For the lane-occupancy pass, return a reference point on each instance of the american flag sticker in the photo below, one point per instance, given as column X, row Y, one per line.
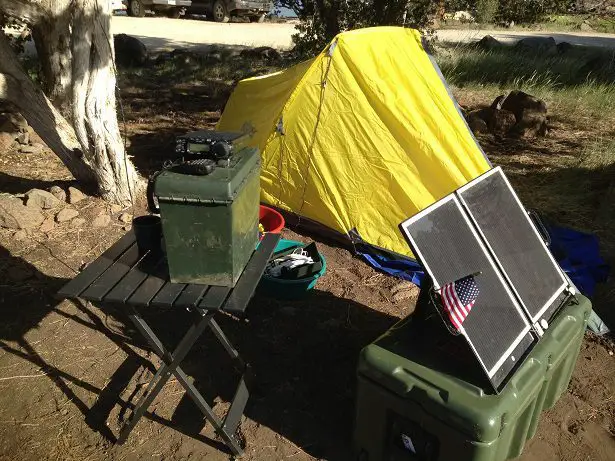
column 459, row 298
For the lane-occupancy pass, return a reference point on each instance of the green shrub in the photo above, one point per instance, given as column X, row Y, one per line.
column 486, row 10
column 321, row 20
column 530, row 11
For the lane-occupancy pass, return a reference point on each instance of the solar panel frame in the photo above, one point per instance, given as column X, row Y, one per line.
column 550, row 306
column 524, row 340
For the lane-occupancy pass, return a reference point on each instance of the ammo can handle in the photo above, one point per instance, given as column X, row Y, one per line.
column 151, row 202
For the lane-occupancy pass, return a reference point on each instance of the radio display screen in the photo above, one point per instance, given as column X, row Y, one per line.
column 196, row 148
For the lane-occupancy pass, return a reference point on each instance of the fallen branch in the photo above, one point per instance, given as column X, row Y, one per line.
column 23, row 376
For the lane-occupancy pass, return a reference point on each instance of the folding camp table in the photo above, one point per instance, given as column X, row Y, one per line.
column 123, row 277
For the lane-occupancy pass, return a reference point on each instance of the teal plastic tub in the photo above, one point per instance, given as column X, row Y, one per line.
column 290, row 289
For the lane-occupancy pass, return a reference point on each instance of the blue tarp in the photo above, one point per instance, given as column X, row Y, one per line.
column 578, row 254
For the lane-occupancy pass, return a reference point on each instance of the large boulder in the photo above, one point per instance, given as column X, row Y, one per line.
column 477, row 123
column 543, row 45
column 501, row 122
column 15, row 215
column 492, row 120
column 488, row 43
column 129, row 51
column 530, row 113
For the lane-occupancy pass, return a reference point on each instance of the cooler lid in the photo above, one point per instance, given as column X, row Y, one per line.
column 220, row 186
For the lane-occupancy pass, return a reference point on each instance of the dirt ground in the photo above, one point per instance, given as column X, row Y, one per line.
column 70, row 372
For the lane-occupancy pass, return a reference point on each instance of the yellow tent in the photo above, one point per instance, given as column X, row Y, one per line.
column 360, row 138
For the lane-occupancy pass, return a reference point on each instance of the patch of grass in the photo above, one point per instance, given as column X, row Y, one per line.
column 220, row 66
column 574, row 23
column 579, row 77
column 569, row 176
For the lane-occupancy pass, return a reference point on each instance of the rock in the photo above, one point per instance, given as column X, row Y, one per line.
column 586, row 27
column 102, row 220
column 463, row 16
column 129, row 51
column 75, row 195
column 20, row 235
column 488, row 43
column 77, row 222
column 6, row 141
column 19, row 273
column 23, row 138
column 530, row 113
column 261, row 52
column 126, row 218
column 98, row 210
column 47, row 226
column 115, row 208
column 477, row 121
column 12, row 122
column 497, row 102
column 15, row 215
column 543, row 45
column 66, row 215
column 478, row 125
column 502, row 121
column 564, row 47
column 41, row 199
column 58, row 193
column 33, row 149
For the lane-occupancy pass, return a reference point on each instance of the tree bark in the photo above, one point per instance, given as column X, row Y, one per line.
column 52, row 41
column 17, row 88
column 75, row 45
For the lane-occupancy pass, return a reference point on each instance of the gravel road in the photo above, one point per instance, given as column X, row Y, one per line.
column 160, row 34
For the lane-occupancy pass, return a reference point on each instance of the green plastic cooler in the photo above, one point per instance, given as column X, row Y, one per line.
column 422, row 397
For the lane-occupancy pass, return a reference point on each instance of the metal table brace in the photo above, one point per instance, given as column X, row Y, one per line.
column 226, row 428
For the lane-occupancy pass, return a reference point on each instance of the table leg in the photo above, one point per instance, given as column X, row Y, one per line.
column 164, row 373
column 226, row 428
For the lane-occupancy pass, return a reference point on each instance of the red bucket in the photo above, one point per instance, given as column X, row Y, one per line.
column 271, row 220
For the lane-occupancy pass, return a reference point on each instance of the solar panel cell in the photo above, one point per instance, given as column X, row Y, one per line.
column 449, row 247
column 516, row 245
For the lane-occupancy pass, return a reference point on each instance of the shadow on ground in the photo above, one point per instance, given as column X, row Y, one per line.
column 182, row 91
column 303, row 354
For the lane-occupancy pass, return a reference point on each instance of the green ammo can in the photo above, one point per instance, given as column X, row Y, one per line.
column 420, row 397
column 210, row 222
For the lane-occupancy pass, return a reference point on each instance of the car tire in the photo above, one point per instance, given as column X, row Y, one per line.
column 219, row 12
column 136, row 9
column 259, row 18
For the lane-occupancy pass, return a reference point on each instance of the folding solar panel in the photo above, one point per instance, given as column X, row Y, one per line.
column 446, row 242
column 516, row 245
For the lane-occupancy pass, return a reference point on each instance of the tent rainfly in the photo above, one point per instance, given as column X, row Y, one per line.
column 359, row 138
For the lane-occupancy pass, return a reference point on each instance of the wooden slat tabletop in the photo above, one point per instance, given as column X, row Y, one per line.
column 122, row 276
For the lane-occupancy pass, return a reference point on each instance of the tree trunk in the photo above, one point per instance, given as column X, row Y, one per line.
column 17, row 88
column 52, row 41
column 75, row 46
column 93, row 99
